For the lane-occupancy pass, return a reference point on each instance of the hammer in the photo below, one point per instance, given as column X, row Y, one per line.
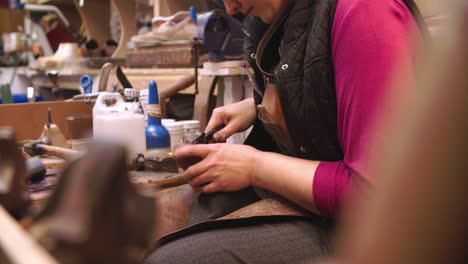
column 42, row 146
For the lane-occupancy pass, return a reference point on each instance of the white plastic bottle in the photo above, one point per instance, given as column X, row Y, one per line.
column 115, row 120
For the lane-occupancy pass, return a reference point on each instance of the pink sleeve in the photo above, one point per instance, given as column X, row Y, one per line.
column 371, row 40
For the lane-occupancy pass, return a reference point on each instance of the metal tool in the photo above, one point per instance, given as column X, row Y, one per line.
column 163, row 164
column 56, row 91
column 36, row 169
column 52, row 131
column 42, row 146
column 206, row 138
column 221, row 35
column 122, row 78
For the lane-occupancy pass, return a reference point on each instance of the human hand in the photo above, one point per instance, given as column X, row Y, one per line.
column 237, row 117
column 223, row 167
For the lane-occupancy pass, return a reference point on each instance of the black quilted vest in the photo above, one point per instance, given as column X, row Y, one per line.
column 306, row 78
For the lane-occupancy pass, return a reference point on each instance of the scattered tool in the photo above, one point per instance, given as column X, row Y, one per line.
column 148, row 183
column 122, row 78
column 51, row 142
column 53, row 133
column 163, row 164
column 42, row 146
column 36, row 169
column 56, row 91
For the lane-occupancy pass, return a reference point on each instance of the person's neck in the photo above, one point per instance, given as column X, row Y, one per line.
column 277, row 7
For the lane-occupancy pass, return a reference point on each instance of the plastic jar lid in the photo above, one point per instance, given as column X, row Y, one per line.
column 166, row 121
column 189, row 124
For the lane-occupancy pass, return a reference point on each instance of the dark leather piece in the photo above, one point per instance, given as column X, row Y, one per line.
column 208, row 206
column 174, row 209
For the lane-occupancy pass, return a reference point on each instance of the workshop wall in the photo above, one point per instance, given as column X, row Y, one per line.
column 29, row 119
column 10, row 20
column 431, row 7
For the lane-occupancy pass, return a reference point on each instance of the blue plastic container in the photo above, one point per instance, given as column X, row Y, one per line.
column 22, row 98
column 157, row 136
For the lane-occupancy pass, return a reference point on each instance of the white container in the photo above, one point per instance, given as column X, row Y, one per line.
column 166, row 121
column 115, row 120
column 67, row 50
column 191, row 130
column 143, row 98
column 157, row 152
column 176, row 130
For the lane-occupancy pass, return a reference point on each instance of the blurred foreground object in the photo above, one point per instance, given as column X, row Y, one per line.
column 95, row 215
column 417, row 212
column 15, row 242
column 13, row 192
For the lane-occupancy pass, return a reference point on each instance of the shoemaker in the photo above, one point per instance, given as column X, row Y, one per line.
column 322, row 70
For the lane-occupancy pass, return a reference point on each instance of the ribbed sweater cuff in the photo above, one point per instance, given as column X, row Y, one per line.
column 330, row 185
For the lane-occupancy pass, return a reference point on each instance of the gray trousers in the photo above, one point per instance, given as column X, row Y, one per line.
column 261, row 240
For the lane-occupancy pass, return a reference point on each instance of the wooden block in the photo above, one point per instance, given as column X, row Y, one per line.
column 169, row 7
column 127, row 11
column 96, row 17
column 175, row 55
column 430, row 8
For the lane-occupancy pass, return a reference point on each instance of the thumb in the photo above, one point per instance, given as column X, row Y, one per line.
column 215, row 121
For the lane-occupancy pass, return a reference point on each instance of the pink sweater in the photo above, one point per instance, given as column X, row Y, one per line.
column 371, row 40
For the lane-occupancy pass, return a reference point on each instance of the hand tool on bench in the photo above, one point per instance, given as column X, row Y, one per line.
column 51, row 142
column 122, row 78
column 53, row 133
column 42, row 146
column 56, row 91
column 36, row 169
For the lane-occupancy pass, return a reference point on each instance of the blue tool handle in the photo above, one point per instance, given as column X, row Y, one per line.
column 193, row 13
column 86, row 81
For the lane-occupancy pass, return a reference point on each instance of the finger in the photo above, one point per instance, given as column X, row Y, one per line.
column 189, row 150
column 210, row 188
column 216, row 120
column 196, row 170
column 224, row 133
column 200, row 180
